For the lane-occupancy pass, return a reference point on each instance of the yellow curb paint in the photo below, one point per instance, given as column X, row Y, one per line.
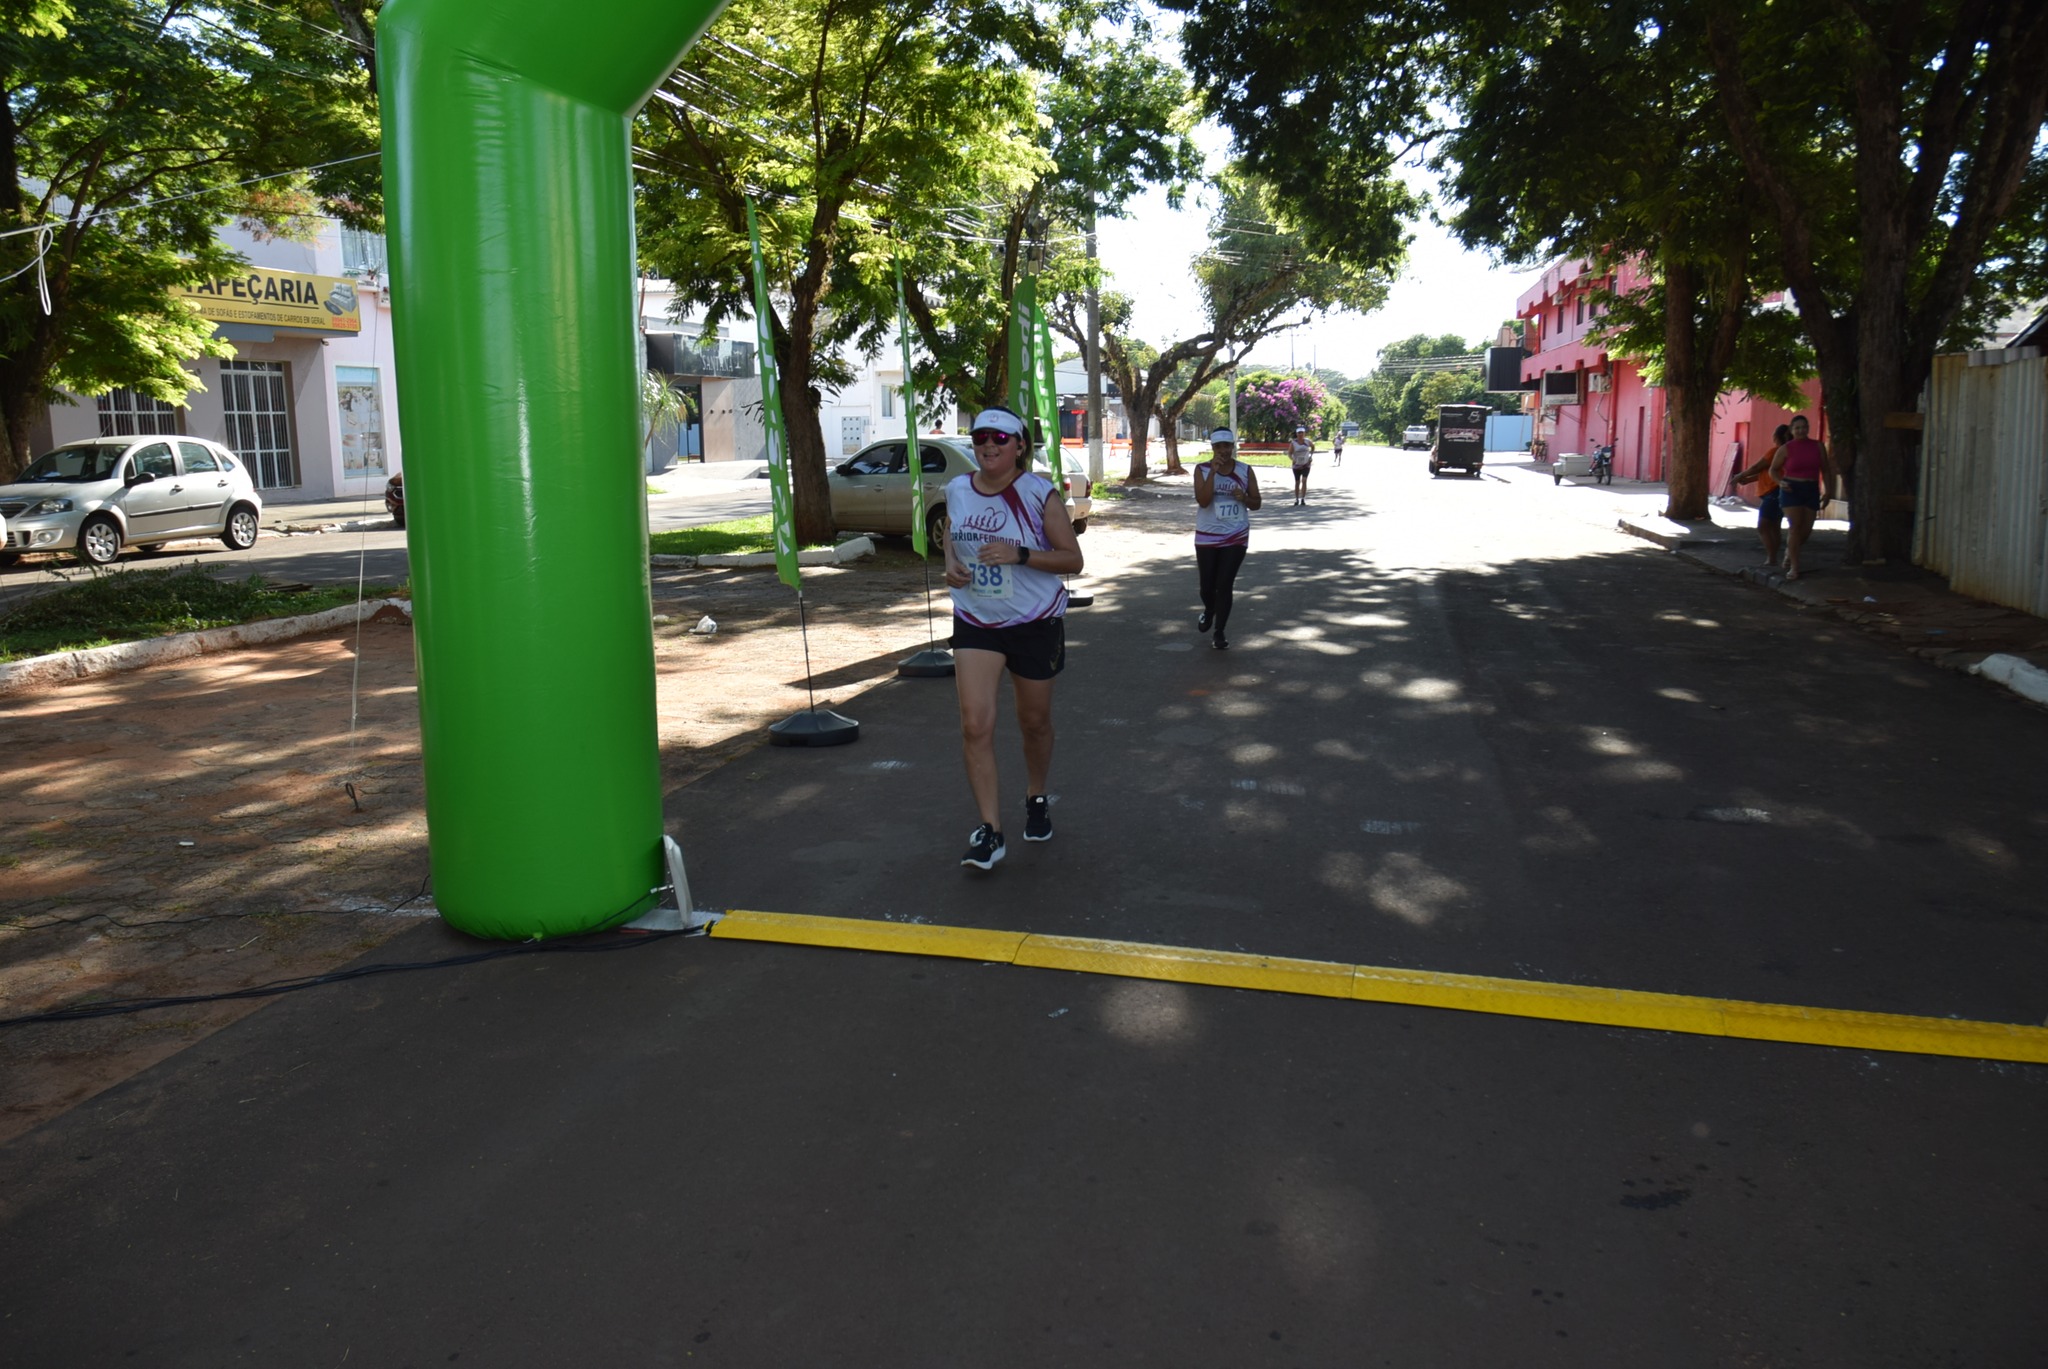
column 858, row 934
column 1636, row 1008
column 1226, row 969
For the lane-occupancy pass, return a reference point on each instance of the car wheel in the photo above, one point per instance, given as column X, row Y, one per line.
column 10, row 558
column 240, row 532
column 1080, row 525
column 398, row 521
column 99, row 540
column 935, row 528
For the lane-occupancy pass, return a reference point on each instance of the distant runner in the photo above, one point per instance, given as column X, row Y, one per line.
column 1226, row 490
column 1301, row 453
column 1008, row 542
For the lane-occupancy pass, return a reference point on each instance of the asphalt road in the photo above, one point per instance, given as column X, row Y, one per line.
column 1465, row 727
column 376, row 552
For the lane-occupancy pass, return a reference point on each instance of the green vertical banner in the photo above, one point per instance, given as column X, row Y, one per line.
column 1023, row 307
column 1046, row 378
column 916, row 462
column 771, row 419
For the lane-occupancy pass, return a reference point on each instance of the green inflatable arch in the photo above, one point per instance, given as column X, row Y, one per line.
column 509, row 193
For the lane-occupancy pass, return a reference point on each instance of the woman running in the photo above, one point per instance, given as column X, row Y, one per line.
column 1008, row 542
column 1226, row 492
column 1301, row 454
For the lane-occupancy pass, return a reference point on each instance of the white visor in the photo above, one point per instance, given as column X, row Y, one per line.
column 1223, row 435
column 1002, row 420
column 1301, row 430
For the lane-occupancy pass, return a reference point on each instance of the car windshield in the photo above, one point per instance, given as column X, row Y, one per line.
column 80, row 464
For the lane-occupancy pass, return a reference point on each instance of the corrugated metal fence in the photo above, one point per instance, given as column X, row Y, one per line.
column 1983, row 507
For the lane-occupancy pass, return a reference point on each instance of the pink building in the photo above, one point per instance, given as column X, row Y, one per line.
column 1586, row 397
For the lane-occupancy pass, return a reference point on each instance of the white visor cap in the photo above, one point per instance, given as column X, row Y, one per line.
column 1223, row 435
column 1002, row 420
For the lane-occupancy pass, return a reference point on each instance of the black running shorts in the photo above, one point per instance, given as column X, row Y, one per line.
column 1032, row 651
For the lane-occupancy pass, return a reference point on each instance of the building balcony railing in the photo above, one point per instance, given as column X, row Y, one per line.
column 676, row 354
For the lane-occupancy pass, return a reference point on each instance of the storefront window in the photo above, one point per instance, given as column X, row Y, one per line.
column 124, row 413
column 362, row 422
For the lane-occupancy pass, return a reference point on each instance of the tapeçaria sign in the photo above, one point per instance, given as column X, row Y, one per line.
column 282, row 299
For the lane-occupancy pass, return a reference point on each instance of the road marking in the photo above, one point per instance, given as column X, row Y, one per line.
column 1419, row 988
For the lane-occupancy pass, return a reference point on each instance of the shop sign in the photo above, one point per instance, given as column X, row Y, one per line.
column 281, row 299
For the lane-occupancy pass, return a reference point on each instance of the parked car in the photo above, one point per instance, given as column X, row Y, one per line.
column 1415, row 436
column 394, row 499
column 103, row 494
column 871, row 489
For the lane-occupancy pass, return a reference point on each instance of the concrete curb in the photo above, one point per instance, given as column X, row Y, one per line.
column 851, row 550
column 1672, row 535
column 106, row 660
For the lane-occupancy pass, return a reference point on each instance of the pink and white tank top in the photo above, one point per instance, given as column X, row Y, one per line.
column 1226, row 522
column 1005, row 595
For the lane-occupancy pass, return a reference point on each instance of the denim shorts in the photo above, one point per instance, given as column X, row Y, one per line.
column 1799, row 494
column 1770, row 513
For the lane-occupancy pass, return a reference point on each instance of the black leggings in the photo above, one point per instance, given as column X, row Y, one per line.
column 1218, row 567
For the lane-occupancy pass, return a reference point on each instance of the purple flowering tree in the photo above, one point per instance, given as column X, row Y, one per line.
column 1270, row 408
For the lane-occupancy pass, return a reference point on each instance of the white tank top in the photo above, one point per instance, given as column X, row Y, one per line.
column 1005, row 595
column 1226, row 522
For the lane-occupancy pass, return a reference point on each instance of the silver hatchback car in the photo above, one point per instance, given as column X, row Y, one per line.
column 106, row 493
column 871, row 491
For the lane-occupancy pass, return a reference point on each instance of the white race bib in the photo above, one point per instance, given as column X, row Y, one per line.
column 990, row 582
column 1229, row 511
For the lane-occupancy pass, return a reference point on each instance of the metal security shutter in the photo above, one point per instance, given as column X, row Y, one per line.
column 257, row 405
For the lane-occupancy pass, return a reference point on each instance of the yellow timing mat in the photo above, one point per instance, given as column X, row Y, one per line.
column 1423, row 988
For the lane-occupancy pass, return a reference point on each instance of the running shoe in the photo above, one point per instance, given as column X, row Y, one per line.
column 1220, row 642
column 1038, row 818
column 1202, row 623
column 984, row 848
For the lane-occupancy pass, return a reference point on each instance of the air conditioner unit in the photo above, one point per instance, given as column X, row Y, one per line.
column 1598, row 382
column 1561, row 387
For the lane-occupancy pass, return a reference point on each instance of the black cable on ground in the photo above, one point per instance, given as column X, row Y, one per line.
column 119, row 1006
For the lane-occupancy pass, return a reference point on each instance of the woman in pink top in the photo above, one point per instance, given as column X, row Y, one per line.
column 1802, row 468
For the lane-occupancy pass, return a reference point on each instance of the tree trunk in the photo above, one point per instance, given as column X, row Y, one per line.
column 810, row 496
column 1139, row 415
column 1169, row 436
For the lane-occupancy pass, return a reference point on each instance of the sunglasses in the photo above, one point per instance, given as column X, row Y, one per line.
column 1001, row 439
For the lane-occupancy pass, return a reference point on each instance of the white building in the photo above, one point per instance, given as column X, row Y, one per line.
column 309, row 399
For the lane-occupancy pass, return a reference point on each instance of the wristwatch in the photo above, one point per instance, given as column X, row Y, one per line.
column 1023, row 556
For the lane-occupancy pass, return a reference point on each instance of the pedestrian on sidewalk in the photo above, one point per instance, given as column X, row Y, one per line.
column 1770, row 514
column 1008, row 541
column 1806, row 479
column 1301, row 454
column 1226, row 491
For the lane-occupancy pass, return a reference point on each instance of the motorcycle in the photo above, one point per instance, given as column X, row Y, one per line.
column 1602, row 469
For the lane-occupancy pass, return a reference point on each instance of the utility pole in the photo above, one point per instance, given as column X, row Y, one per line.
column 1233, row 399
column 1093, row 420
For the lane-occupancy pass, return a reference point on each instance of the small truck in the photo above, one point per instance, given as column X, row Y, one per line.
column 1460, row 438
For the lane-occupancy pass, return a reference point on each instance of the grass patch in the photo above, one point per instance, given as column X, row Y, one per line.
column 135, row 605
column 1102, row 489
column 1268, row 458
column 735, row 538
